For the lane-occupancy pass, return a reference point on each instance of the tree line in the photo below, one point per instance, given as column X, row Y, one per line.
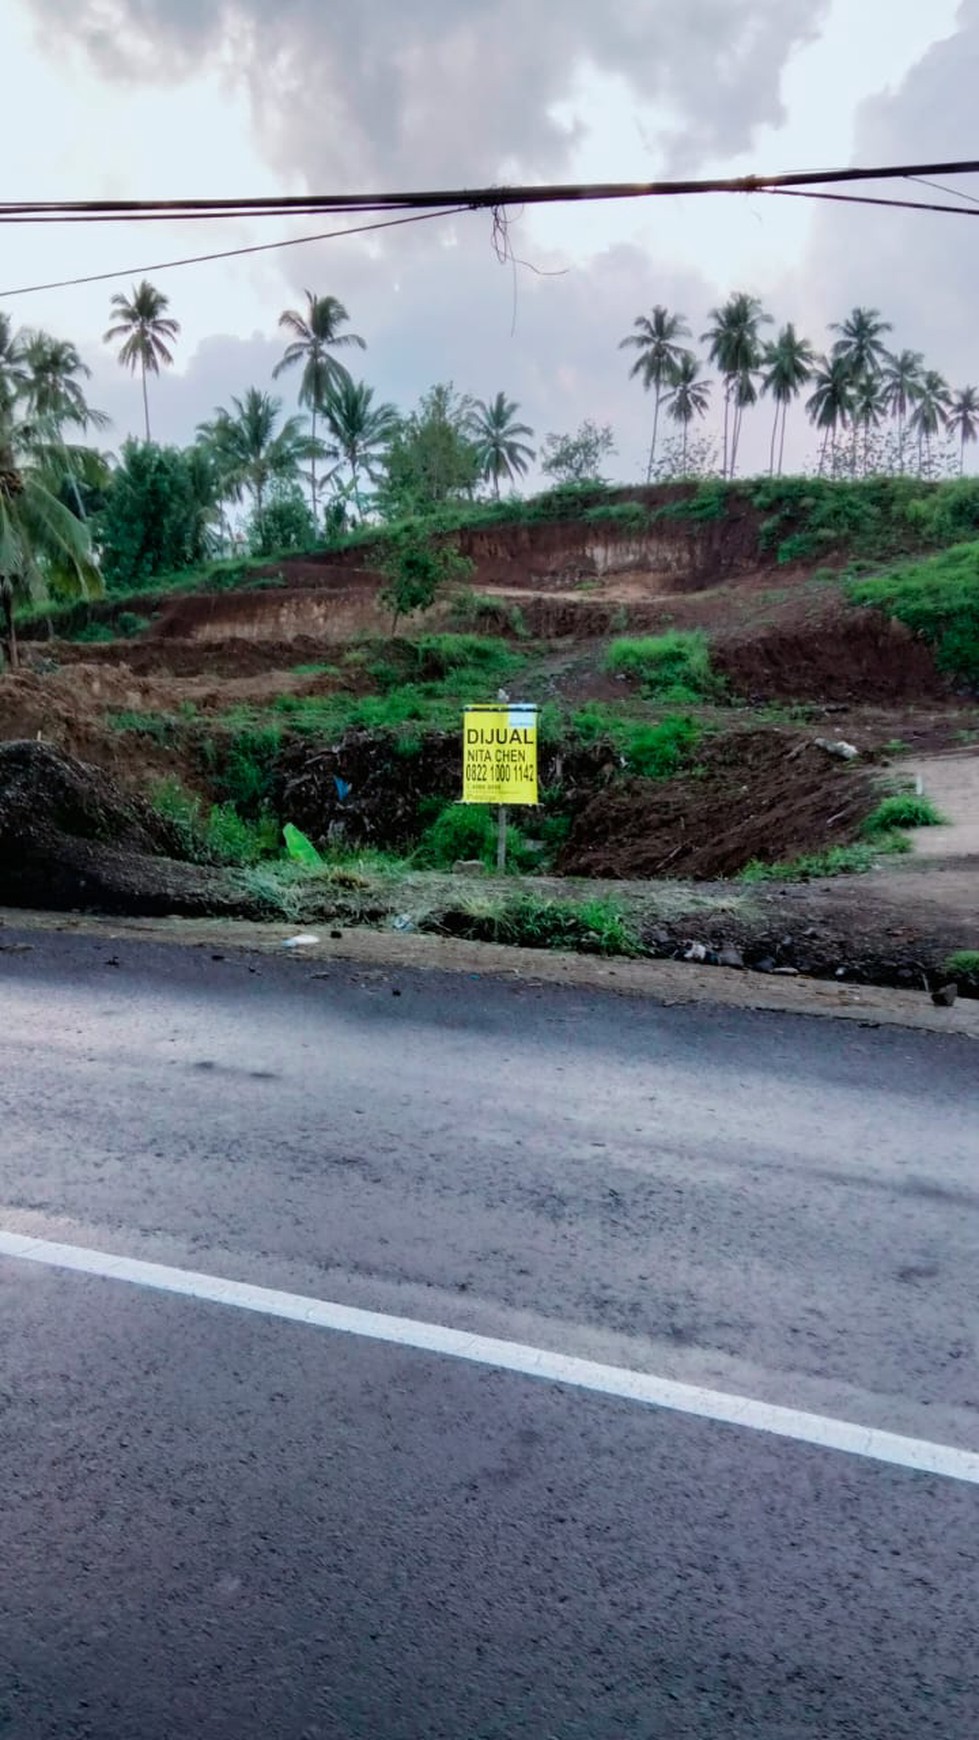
column 71, row 515
column 854, row 388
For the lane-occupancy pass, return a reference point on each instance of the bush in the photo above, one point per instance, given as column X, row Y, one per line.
column 669, row 667
column 903, row 810
column 653, row 751
column 470, row 831
column 937, row 598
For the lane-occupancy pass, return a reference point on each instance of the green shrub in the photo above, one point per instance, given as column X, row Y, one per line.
column 660, row 751
column 964, row 964
column 94, row 633
column 937, row 598
column 244, row 768
column 470, row 831
column 629, row 515
column 903, row 810
column 128, row 625
column 669, row 667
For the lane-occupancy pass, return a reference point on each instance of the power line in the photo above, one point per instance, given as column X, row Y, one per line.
column 230, row 253
column 869, row 199
column 470, row 199
column 417, row 206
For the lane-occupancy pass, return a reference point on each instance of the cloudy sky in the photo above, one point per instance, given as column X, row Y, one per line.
column 171, row 98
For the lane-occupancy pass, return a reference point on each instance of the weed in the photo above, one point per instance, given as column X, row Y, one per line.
column 128, row 625
column 628, row 514
column 595, row 927
column 903, row 810
column 95, row 632
column 669, row 667
column 654, row 751
column 161, row 728
column 469, row 831
column 853, row 860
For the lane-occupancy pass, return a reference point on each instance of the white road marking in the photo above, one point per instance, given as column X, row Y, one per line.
column 511, row 1356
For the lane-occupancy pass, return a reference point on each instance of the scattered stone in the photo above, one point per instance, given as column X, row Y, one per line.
column 469, row 867
column 765, row 965
column 945, row 997
column 395, row 991
column 15, row 948
column 837, row 748
column 217, row 957
column 694, row 951
column 336, row 935
column 305, row 940
column 113, row 961
column 785, row 972
column 730, row 957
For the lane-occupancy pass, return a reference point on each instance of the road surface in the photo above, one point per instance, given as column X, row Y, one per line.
column 219, row 1520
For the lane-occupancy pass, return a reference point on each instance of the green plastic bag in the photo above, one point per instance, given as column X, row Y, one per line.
column 298, row 847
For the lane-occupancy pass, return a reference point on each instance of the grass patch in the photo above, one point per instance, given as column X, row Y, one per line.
column 668, row 667
column 964, row 964
column 903, row 810
column 597, row 927
column 653, row 751
column 469, row 831
column 854, row 860
column 216, row 832
column 937, row 598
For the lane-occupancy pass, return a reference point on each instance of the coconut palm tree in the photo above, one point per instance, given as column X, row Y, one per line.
column 963, row 419
column 655, row 340
column 44, row 548
column 930, row 412
column 495, row 433
column 861, row 341
column 901, row 375
column 146, row 329
column 315, row 334
column 252, row 451
column 787, row 363
column 735, row 349
column 358, row 429
column 869, row 411
column 688, row 397
column 13, row 375
column 53, row 395
column 830, row 406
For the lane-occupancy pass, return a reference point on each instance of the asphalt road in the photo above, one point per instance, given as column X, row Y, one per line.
column 218, row 1523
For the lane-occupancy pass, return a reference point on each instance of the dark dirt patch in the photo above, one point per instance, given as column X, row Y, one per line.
column 235, row 657
column 860, row 656
column 70, row 838
column 767, row 794
column 391, row 782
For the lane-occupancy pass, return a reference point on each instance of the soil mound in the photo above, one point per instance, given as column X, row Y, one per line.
column 70, row 838
column 766, row 795
column 859, row 657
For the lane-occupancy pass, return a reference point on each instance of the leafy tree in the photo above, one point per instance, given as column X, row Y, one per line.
column 861, row 341
column 252, row 452
column 831, row 405
column 44, row 549
column 901, row 376
column 734, row 338
column 787, row 365
column 358, row 431
column 161, row 507
column 655, row 339
column 431, row 458
column 930, row 412
column 496, row 433
column 415, row 568
column 146, row 329
column 577, row 458
column 315, row 335
column 286, row 522
column 963, row 419
column 688, row 397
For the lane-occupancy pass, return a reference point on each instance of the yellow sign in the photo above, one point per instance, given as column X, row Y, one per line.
column 499, row 755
